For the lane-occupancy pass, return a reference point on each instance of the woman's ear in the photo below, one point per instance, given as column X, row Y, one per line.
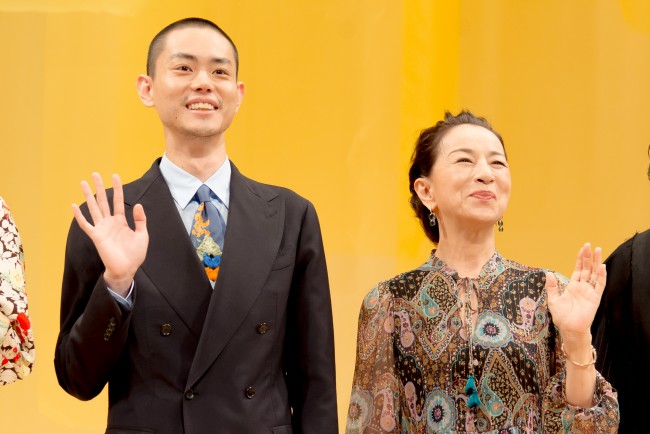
column 424, row 190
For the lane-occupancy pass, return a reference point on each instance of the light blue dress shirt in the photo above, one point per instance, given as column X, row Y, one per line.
column 183, row 187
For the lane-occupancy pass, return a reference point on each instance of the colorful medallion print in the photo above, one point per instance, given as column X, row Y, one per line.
column 413, row 372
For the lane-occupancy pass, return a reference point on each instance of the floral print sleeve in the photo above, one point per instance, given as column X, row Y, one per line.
column 374, row 404
column 16, row 340
column 560, row 416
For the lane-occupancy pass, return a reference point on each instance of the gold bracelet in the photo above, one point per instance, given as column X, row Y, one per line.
column 582, row 365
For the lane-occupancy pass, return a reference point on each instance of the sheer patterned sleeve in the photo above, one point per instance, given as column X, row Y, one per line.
column 16, row 340
column 560, row 416
column 374, row 404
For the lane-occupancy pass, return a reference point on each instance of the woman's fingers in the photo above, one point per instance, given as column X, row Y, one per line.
column 551, row 284
column 601, row 279
column 590, row 269
column 598, row 253
column 587, row 263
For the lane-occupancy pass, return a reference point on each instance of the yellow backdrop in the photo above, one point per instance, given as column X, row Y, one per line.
column 337, row 91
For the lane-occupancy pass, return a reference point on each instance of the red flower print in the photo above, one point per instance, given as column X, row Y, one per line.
column 23, row 320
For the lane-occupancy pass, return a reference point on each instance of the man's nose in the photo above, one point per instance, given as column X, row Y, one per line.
column 202, row 82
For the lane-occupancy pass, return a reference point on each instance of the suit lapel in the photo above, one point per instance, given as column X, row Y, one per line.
column 253, row 235
column 171, row 263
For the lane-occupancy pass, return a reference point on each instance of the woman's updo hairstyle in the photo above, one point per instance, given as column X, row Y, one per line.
column 425, row 155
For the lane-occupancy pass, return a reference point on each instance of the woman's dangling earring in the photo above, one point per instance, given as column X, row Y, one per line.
column 432, row 219
column 500, row 225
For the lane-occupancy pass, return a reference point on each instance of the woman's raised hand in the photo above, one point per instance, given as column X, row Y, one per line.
column 574, row 308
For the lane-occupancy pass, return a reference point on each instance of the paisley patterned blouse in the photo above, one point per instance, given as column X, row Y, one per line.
column 413, row 357
column 16, row 340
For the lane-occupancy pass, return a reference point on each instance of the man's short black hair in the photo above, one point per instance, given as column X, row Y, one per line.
column 158, row 42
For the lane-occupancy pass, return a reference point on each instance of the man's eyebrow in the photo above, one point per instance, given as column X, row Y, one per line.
column 182, row 56
column 221, row 60
column 193, row 58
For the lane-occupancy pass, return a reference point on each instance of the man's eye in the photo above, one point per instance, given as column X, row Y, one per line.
column 184, row 68
column 220, row 72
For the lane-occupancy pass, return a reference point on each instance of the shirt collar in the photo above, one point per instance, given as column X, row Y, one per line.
column 183, row 185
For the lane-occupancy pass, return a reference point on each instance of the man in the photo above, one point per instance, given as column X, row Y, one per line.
column 186, row 343
column 621, row 329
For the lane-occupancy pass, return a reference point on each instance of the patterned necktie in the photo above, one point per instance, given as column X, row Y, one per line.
column 207, row 233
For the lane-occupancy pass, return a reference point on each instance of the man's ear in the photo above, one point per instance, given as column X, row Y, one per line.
column 424, row 189
column 241, row 90
column 145, row 89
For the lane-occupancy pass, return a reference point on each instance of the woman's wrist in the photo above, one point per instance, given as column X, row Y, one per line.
column 578, row 349
column 581, row 360
column 576, row 341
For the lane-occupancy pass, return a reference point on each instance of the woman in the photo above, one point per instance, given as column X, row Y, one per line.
column 16, row 341
column 471, row 341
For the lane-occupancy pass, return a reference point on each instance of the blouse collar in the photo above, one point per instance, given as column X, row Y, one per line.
column 492, row 267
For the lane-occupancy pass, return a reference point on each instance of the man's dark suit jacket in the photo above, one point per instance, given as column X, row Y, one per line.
column 621, row 330
column 256, row 355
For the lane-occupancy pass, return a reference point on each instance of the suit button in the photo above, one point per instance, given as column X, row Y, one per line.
column 249, row 392
column 262, row 328
column 189, row 394
column 166, row 329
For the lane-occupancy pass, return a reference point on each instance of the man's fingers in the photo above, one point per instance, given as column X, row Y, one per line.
column 81, row 219
column 139, row 218
column 94, row 210
column 100, row 192
column 98, row 205
column 118, row 196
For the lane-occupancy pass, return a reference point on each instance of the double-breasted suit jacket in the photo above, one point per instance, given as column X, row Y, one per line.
column 254, row 355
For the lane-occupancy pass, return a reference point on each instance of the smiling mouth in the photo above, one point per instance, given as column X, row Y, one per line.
column 201, row 106
column 484, row 196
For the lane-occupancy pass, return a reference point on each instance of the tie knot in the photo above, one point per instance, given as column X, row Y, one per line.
column 203, row 193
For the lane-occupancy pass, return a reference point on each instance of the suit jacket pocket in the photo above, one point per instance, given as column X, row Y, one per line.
column 284, row 429
column 285, row 258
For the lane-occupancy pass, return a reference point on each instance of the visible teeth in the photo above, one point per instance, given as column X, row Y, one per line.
column 201, row 106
